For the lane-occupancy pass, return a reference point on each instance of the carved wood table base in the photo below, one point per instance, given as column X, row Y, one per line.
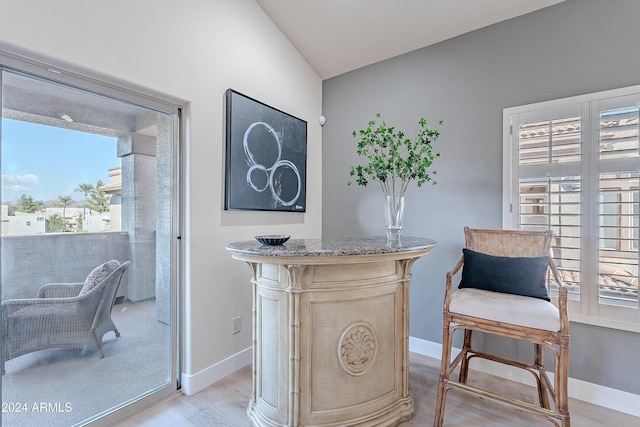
column 331, row 331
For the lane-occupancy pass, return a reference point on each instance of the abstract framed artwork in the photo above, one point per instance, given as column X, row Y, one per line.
column 266, row 157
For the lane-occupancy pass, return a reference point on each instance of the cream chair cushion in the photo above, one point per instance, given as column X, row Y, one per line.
column 98, row 274
column 506, row 308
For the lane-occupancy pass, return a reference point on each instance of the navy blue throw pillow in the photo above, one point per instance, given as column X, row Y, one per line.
column 519, row 276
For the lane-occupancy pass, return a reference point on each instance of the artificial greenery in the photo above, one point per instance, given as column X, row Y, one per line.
column 394, row 160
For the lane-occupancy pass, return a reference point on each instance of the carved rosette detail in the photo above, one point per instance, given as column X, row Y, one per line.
column 357, row 349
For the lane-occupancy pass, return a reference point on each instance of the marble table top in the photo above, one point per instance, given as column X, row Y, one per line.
column 333, row 247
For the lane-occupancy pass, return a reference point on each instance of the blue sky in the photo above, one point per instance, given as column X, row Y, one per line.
column 45, row 162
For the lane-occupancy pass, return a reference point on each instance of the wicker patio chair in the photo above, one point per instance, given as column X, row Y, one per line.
column 503, row 292
column 64, row 315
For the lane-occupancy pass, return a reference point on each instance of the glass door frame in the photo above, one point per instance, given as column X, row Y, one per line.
column 27, row 64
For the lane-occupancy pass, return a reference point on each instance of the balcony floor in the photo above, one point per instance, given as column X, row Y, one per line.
column 61, row 387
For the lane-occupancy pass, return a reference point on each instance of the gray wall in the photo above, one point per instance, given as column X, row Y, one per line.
column 28, row 262
column 576, row 47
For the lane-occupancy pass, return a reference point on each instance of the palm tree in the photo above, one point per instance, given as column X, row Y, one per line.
column 86, row 190
column 99, row 200
column 64, row 201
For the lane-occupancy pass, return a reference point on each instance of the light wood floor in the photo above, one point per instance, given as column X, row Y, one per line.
column 224, row 405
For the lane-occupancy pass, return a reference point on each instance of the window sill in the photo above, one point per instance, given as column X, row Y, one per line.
column 605, row 323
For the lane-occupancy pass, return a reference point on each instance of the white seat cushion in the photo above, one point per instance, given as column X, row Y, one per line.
column 506, row 308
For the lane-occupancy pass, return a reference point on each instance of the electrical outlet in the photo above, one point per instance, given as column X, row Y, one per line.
column 236, row 325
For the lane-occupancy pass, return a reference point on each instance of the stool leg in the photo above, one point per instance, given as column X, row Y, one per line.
column 540, row 363
column 464, row 366
column 445, row 371
column 561, row 385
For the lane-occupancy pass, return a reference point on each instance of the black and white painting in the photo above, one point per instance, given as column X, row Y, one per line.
column 266, row 157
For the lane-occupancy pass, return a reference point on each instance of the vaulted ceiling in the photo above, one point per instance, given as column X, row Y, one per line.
column 337, row 36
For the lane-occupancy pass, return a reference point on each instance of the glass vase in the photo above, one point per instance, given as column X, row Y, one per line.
column 394, row 214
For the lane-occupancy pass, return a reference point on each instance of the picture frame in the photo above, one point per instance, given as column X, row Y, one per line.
column 266, row 157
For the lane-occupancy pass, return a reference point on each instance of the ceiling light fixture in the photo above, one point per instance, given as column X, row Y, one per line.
column 66, row 117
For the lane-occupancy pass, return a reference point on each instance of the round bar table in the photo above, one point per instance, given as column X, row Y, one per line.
column 331, row 330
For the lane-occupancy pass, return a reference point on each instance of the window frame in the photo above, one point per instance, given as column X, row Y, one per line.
column 586, row 307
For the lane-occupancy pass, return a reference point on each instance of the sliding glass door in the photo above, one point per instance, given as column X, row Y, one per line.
column 88, row 252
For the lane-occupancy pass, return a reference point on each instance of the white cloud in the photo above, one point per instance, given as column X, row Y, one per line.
column 14, row 187
column 13, row 184
column 11, row 179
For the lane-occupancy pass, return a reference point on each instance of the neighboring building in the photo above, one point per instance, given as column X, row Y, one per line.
column 26, row 223
column 71, row 215
column 4, row 219
column 96, row 223
column 23, row 223
column 114, row 188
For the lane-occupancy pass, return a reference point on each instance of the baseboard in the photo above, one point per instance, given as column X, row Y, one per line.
column 192, row 384
column 607, row 397
column 611, row 398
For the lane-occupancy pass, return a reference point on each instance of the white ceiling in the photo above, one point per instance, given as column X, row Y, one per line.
column 336, row 36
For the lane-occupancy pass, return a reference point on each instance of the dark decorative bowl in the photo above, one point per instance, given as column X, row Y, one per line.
column 272, row 239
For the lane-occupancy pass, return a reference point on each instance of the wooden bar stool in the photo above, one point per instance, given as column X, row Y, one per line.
column 504, row 291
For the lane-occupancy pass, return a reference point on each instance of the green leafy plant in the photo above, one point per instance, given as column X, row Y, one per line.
column 394, row 160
